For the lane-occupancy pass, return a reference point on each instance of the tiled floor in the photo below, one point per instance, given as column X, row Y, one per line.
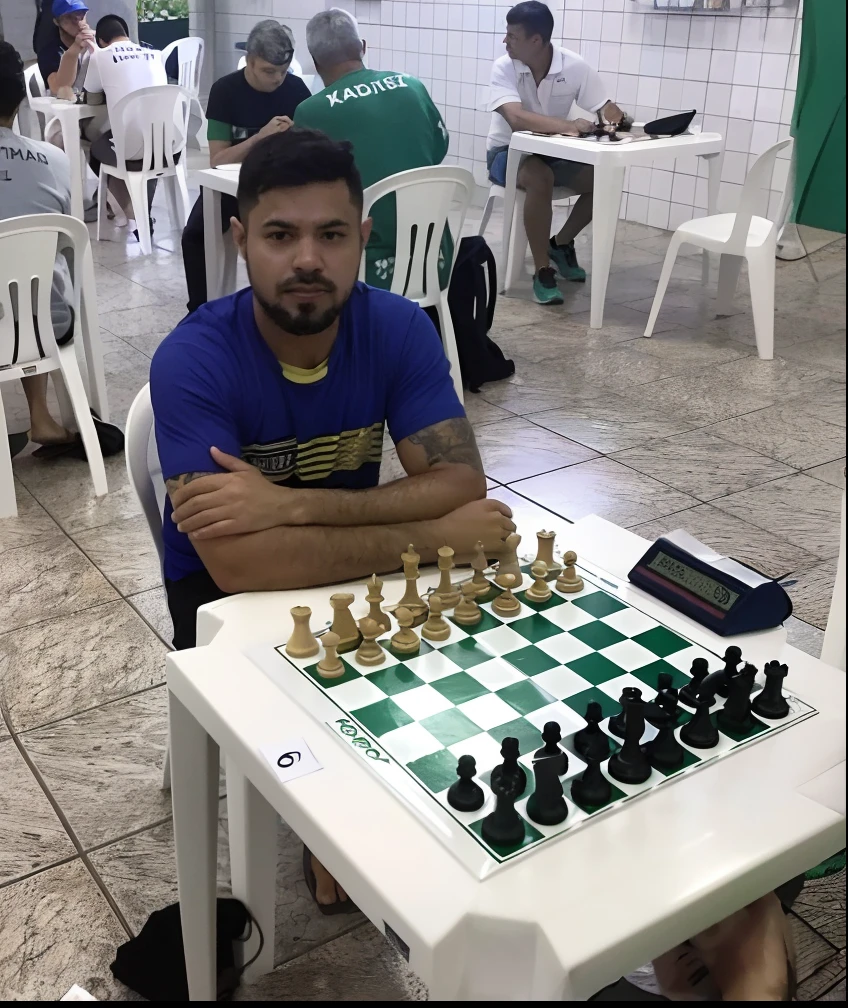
column 687, row 429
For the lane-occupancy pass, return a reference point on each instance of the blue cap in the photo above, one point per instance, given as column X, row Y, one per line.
column 61, row 7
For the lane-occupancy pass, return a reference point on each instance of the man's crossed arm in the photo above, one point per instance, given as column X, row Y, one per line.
column 253, row 535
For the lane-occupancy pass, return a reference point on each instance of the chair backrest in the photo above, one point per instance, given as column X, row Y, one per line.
column 151, row 111
column 189, row 60
column 34, row 82
column 28, row 249
column 28, row 122
column 752, row 198
column 143, row 466
column 424, row 199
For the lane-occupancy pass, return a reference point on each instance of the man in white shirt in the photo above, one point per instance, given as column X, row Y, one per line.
column 533, row 87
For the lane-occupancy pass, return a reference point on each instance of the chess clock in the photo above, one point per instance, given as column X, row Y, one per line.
column 722, row 594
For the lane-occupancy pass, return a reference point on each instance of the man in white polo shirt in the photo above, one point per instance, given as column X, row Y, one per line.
column 534, row 87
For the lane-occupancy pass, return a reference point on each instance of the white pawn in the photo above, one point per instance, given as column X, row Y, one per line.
column 506, row 604
column 330, row 666
column 467, row 612
column 369, row 651
column 436, row 627
column 569, row 581
column 540, row 590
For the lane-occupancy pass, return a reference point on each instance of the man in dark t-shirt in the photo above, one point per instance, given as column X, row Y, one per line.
column 243, row 108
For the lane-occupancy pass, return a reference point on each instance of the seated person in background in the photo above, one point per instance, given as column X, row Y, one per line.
column 60, row 56
column 533, row 87
column 116, row 68
column 35, row 178
column 244, row 107
column 388, row 117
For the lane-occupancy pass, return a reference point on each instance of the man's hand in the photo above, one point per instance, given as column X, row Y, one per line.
column 84, row 41
column 612, row 113
column 279, row 124
column 232, row 503
column 487, row 521
column 578, row 126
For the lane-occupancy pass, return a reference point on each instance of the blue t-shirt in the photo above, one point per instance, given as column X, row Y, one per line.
column 215, row 381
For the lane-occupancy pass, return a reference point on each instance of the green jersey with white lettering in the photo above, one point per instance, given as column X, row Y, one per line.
column 393, row 125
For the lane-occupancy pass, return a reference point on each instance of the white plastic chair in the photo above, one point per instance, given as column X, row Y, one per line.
column 425, row 197
column 833, row 646
column 190, row 63
column 28, row 248
column 29, row 122
column 154, row 111
column 737, row 235
column 514, row 261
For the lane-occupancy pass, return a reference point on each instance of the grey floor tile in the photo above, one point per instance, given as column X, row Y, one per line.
column 129, row 324
column 152, row 605
column 811, row 950
column 837, row 992
column 826, row 352
column 33, row 836
column 826, row 402
column 47, row 579
column 687, row 347
column 783, row 433
column 609, row 422
column 604, row 487
column 821, row 904
column 827, row 980
column 831, row 472
column 104, row 767
column 480, row 411
column 358, row 966
column 522, row 397
column 510, row 312
column 31, row 523
column 798, row 508
column 67, row 664
column 792, row 325
column 514, row 449
column 531, row 517
column 703, row 465
column 733, row 537
column 811, row 591
column 127, row 370
column 803, row 636
column 124, row 551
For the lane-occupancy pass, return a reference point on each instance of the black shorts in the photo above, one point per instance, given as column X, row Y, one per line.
column 184, row 599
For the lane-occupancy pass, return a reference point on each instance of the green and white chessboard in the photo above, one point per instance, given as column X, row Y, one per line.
column 415, row 715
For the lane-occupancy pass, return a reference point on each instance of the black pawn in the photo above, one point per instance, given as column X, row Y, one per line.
column 664, row 751
column 749, row 675
column 732, row 660
column 466, row 795
column 504, row 827
column 770, row 701
column 551, row 735
column 592, row 789
column 665, row 681
column 735, row 715
column 510, row 766
column 699, row 670
column 546, row 805
column 616, row 722
column 630, row 764
column 590, row 742
column 700, row 732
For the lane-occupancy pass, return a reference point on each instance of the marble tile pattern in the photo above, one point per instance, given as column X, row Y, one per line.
column 643, row 432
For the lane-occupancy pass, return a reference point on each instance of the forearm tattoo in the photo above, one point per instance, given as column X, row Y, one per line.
column 449, row 441
column 175, row 482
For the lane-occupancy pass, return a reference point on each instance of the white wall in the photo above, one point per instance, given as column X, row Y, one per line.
column 738, row 71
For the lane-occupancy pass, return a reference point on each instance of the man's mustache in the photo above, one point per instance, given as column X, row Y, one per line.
column 306, row 280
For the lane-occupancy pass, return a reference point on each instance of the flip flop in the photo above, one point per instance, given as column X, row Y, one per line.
column 328, row 909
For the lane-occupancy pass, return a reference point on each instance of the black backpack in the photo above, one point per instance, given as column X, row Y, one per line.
column 472, row 295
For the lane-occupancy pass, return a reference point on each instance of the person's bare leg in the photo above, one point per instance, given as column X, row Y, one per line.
column 537, row 181
column 43, row 428
column 327, row 890
column 581, row 212
column 118, row 188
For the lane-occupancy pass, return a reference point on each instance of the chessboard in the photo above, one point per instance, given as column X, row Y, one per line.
column 414, row 715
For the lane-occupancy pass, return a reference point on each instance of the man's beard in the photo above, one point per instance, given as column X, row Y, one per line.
column 306, row 322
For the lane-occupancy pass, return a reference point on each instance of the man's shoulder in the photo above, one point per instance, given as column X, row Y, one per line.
column 207, row 336
column 506, row 65
column 571, row 58
column 309, row 106
column 226, row 84
column 388, row 315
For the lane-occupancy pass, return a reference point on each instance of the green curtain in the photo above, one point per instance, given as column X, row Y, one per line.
column 819, row 119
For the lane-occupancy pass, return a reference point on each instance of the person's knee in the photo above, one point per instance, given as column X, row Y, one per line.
column 535, row 177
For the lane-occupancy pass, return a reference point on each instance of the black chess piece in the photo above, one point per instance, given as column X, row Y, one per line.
column 630, row 764
column 504, row 827
column 510, row 766
column 546, row 805
column 592, row 788
column 770, row 701
column 616, row 722
column 732, row 660
column 653, row 709
column 591, row 742
column 700, row 732
column 665, row 680
column 699, row 671
column 735, row 715
column 664, row 751
column 465, row 794
column 749, row 675
column 715, row 684
column 551, row 736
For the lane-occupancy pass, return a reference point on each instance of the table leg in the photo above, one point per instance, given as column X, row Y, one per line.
column 213, row 243
column 253, row 863
column 71, row 141
column 714, row 164
column 606, row 201
column 194, row 789
column 513, row 160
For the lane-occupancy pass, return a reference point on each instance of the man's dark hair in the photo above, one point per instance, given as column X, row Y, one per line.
column 12, row 88
column 296, row 158
column 110, row 27
column 534, row 17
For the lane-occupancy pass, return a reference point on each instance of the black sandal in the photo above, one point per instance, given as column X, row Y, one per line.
column 328, row 909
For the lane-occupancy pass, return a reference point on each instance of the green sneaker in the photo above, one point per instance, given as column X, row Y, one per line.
column 545, row 290
column 565, row 259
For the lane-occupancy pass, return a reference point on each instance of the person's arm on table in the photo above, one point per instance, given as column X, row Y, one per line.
column 66, row 72
column 223, row 152
column 520, row 119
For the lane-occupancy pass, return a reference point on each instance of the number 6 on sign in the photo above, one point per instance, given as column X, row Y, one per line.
column 291, row 758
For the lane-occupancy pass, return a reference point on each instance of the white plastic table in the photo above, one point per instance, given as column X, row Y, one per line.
column 69, row 115
column 558, row 923
column 609, row 162
column 219, row 251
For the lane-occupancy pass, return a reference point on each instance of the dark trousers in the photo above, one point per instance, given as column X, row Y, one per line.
column 102, row 152
column 194, row 260
column 184, row 599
